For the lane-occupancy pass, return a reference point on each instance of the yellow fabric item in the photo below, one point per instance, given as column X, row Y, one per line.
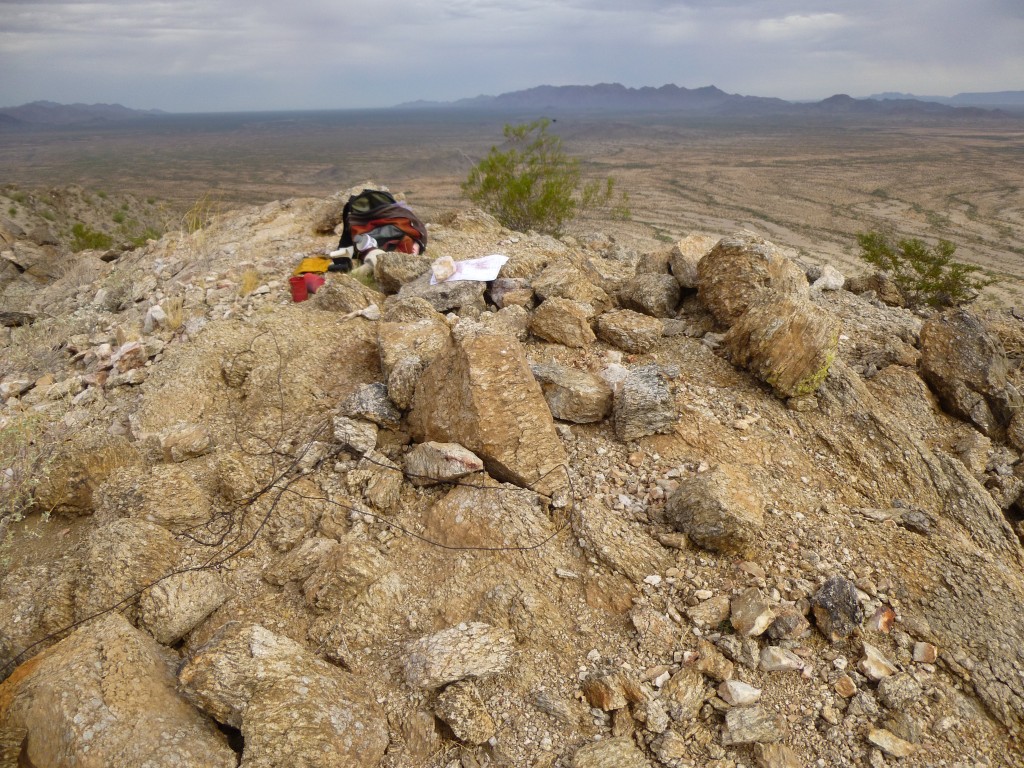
column 317, row 264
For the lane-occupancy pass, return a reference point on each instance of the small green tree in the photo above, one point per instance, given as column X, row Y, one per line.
column 925, row 274
column 534, row 184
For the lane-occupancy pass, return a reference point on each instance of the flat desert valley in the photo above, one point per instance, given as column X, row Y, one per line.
column 810, row 184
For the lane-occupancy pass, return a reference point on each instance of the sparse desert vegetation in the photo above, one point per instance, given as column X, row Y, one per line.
column 811, row 184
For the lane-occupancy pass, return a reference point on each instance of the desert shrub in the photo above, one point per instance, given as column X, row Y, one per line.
column 84, row 238
column 925, row 274
column 534, row 184
column 145, row 236
column 26, row 456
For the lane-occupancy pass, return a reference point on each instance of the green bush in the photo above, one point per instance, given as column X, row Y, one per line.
column 86, row 238
column 534, row 184
column 926, row 275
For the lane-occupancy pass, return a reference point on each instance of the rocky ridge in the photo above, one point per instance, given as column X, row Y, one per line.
column 751, row 519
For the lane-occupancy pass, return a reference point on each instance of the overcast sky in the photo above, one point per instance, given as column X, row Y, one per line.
column 227, row 55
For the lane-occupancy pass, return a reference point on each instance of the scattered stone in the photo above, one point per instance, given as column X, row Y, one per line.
column 563, row 321
column 751, row 725
column 670, row 748
column 392, row 269
column 738, row 694
column 836, row 610
column 344, row 572
column 717, row 510
column 562, row 280
column 830, row 279
column 461, row 708
column 291, row 707
column 630, row 331
column 431, row 463
column 462, row 296
column 370, row 402
column 356, row 435
column 882, row 620
column 789, row 624
column 644, row 405
column 710, row 613
column 618, row 752
column 609, row 691
column 874, row 665
column 574, row 395
column 890, row 743
column 120, row 559
column 899, row 691
column 467, row 650
column 845, row 686
column 776, row 756
column 776, row 659
column 751, row 613
column 185, row 441
column 683, row 694
column 712, row 663
column 925, row 653
column 487, row 514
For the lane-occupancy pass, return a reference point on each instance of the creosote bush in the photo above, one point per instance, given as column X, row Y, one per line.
column 926, row 275
column 534, row 184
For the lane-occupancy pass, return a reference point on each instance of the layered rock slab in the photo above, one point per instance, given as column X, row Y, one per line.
column 482, row 394
column 105, row 696
column 291, row 707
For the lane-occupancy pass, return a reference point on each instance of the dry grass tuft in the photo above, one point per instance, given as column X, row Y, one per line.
column 251, row 280
column 174, row 308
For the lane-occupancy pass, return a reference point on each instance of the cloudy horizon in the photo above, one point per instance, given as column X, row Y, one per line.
column 226, row 55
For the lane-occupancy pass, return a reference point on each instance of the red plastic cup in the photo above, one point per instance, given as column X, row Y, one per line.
column 313, row 281
column 298, row 285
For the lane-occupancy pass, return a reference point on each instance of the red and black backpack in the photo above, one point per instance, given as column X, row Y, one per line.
column 390, row 223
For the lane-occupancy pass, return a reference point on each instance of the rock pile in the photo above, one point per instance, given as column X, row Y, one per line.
column 554, row 520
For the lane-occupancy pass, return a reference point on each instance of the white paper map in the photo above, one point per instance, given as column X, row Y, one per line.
column 484, row 269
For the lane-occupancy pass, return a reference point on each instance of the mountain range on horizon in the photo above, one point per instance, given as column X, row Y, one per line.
column 603, row 97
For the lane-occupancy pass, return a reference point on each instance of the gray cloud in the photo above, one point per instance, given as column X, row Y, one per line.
column 229, row 54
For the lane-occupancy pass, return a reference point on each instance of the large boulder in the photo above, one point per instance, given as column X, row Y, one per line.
column 742, row 270
column 393, row 270
column 653, row 294
column 686, row 255
column 644, row 405
column 967, row 367
column 630, row 331
column 562, row 280
column 105, row 696
column 787, row 342
column 291, row 707
column 482, row 394
column 120, row 560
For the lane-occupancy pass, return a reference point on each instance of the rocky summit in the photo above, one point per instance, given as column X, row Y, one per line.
column 625, row 505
